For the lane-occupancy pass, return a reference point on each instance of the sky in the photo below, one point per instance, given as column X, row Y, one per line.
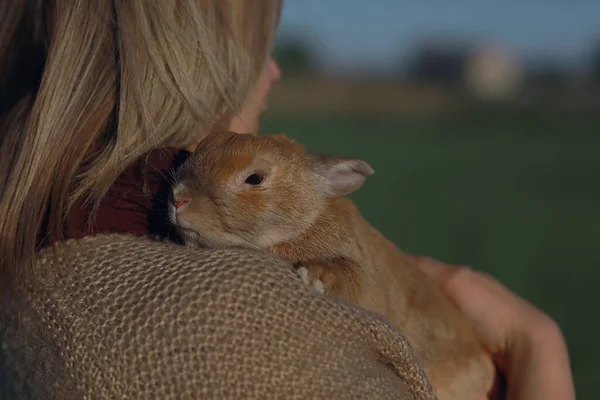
column 377, row 33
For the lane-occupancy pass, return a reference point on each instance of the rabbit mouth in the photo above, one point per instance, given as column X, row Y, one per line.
column 172, row 212
column 190, row 235
column 193, row 238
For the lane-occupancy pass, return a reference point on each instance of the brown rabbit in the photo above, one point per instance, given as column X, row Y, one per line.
column 269, row 193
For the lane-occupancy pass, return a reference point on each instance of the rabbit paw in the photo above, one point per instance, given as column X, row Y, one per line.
column 318, row 275
column 317, row 284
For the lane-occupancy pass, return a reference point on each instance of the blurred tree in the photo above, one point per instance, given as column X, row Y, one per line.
column 595, row 63
column 296, row 56
column 549, row 76
column 442, row 66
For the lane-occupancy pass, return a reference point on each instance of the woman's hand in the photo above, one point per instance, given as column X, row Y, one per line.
column 526, row 344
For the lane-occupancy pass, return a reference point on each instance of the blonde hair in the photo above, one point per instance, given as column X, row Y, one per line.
column 101, row 82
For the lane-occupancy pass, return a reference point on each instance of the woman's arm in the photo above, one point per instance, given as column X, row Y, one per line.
column 527, row 345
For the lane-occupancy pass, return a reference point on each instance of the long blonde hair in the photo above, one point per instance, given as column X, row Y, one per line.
column 89, row 86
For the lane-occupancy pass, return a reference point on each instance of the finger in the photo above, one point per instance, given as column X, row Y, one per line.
column 436, row 270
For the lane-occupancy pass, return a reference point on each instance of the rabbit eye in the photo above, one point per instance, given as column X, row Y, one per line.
column 254, row 179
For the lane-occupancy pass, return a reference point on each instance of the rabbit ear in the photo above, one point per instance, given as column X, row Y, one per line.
column 280, row 137
column 339, row 176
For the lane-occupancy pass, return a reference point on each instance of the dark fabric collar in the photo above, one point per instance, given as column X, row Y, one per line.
column 136, row 203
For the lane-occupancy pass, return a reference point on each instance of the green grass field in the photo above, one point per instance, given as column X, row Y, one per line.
column 516, row 194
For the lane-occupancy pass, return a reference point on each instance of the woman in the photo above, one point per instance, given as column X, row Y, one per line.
column 99, row 95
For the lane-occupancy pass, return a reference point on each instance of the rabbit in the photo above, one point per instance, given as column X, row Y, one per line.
column 269, row 193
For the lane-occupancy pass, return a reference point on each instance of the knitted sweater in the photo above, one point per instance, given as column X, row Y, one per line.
column 124, row 317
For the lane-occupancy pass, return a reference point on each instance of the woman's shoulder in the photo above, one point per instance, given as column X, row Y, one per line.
column 123, row 253
column 127, row 317
column 139, row 267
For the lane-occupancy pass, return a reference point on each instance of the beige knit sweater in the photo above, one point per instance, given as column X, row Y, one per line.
column 119, row 317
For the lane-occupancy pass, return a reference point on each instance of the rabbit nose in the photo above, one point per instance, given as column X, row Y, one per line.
column 181, row 201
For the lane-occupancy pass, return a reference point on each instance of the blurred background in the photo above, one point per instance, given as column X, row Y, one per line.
column 482, row 122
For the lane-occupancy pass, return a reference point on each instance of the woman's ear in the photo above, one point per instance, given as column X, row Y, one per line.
column 340, row 176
